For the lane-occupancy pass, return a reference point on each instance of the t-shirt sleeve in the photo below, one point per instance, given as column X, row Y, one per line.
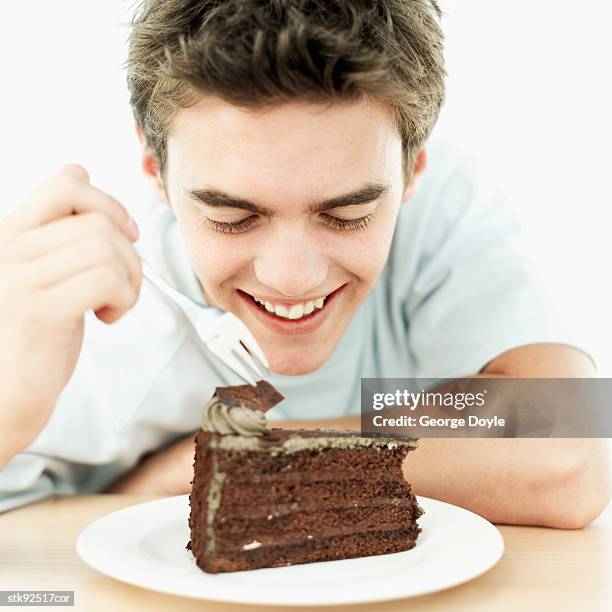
column 30, row 477
column 467, row 288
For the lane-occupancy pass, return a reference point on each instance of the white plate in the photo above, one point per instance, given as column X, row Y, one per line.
column 145, row 544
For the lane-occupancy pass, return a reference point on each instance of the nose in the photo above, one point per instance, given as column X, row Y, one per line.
column 292, row 263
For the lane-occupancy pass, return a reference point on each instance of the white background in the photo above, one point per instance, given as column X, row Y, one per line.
column 528, row 94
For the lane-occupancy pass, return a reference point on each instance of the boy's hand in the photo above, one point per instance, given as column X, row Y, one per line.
column 67, row 249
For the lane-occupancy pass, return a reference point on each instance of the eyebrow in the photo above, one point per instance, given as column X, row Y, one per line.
column 215, row 198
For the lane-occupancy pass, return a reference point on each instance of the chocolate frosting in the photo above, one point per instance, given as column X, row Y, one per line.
column 262, row 397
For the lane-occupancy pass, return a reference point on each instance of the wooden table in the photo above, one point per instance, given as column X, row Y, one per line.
column 542, row 569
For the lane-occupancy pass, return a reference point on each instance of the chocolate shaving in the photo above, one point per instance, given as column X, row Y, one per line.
column 262, row 397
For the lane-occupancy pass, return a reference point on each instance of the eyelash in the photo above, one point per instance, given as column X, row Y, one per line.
column 231, row 227
column 349, row 224
column 237, row 227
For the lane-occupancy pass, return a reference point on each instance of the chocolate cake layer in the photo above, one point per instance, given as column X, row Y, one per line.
column 298, row 497
column 359, row 490
column 350, row 461
column 317, row 549
column 328, row 519
column 254, row 513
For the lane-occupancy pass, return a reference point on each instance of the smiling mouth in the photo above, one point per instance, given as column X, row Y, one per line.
column 297, row 312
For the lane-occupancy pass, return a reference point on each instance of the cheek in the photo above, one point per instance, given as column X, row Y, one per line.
column 215, row 257
column 366, row 252
column 367, row 261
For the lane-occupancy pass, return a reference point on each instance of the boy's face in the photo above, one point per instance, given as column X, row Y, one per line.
column 288, row 205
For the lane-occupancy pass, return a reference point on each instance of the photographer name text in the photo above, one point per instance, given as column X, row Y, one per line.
column 428, row 421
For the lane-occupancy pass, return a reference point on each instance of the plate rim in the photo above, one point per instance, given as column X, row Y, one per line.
column 105, row 567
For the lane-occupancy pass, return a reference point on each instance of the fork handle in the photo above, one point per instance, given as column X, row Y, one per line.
column 192, row 309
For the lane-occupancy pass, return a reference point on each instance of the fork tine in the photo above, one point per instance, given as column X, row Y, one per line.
column 249, row 360
column 254, row 361
column 232, row 362
column 250, row 344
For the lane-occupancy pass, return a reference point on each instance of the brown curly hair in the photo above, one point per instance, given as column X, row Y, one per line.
column 256, row 53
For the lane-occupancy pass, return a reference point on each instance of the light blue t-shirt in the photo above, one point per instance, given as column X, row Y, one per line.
column 456, row 292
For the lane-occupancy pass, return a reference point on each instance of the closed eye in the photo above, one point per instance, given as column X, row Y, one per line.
column 347, row 224
column 341, row 219
column 231, row 227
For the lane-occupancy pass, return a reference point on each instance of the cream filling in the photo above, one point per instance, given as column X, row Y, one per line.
column 297, row 443
column 238, row 420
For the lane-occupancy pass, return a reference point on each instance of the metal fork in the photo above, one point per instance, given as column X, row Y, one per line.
column 223, row 333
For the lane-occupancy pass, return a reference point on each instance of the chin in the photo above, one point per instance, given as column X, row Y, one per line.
column 289, row 365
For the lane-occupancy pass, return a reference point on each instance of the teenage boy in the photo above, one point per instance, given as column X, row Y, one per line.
column 287, row 141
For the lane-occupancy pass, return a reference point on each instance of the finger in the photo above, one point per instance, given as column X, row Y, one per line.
column 113, row 250
column 99, row 289
column 47, row 238
column 77, row 171
column 131, row 260
column 68, row 192
column 66, row 178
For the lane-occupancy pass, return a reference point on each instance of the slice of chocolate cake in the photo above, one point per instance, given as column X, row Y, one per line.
column 265, row 498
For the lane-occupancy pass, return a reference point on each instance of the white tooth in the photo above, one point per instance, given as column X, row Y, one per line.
column 281, row 311
column 308, row 307
column 296, row 311
column 269, row 306
column 319, row 303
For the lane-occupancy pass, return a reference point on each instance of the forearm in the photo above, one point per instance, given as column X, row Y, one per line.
column 562, row 482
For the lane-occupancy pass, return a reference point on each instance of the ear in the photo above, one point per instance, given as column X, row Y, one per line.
column 150, row 167
column 420, row 163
